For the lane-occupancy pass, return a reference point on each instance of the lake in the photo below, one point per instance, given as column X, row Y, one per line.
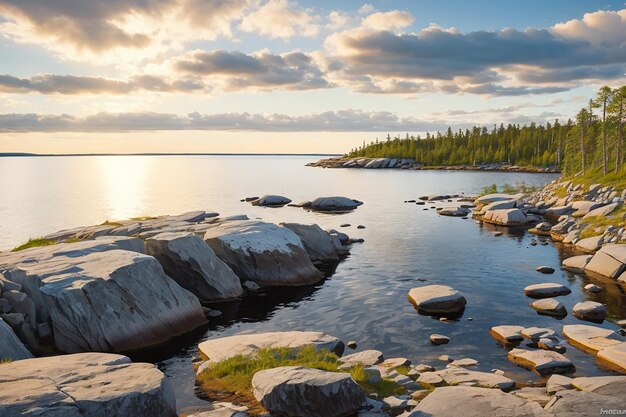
column 366, row 298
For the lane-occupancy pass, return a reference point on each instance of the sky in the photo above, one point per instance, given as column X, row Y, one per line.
column 284, row 76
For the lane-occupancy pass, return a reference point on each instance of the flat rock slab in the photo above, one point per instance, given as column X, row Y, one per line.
column 573, row 403
column 576, row 263
column 549, row 307
column 609, row 261
column 474, row 402
column 546, row 290
column 536, row 333
column 192, row 263
column 217, row 350
column 590, row 244
column 507, row 334
column 296, row 390
column 605, row 385
column 543, row 362
column 614, row 357
column 84, row 385
column 437, row 299
column 366, row 358
column 591, row 339
column 265, row 253
column 456, row 375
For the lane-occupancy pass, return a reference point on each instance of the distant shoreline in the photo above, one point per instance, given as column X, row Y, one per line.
column 23, row 154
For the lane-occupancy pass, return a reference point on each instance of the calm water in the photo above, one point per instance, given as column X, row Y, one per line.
column 366, row 298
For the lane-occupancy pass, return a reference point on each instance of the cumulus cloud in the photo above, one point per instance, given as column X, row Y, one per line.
column 392, row 20
column 280, row 19
column 236, row 70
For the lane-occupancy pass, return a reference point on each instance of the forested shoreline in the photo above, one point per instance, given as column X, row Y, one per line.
column 592, row 142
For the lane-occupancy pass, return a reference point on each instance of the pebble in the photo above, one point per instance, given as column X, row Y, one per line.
column 351, row 344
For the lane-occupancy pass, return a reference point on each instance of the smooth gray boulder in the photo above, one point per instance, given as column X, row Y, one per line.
column 334, row 204
column 192, row 263
column 492, row 198
column 609, row 261
column 506, row 217
column 10, row 346
column 546, row 290
column 300, row 391
column 590, row 311
column 549, row 307
column 437, row 299
column 474, row 402
column 111, row 301
column 222, row 348
column 84, row 385
column 318, row 243
column 271, row 201
column 366, row 358
column 265, row 253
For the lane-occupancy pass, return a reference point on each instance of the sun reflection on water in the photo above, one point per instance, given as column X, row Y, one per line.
column 123, row 181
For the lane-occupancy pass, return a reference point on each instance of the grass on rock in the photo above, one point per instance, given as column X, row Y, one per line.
column 231, row 379
column 110, row 223
column 612, row 179
column 34, row 243
column 5, row 361
column 597, row 225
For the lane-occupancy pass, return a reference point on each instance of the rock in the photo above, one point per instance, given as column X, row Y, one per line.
column 345, row 225
column 82, row 385
column 193, row 264
column 453, row 211
column 223, row 348
column 464, row 363
column 590, row 244
column 593, row 288
column 360, row 226
column 365, row 358
column 543, row 362
column 534, row 394
column 297, row 390
column 395, row 362
column 263, row 252
column 583, row 207
column 507, row 334
column 549, row 307
column 318, row 243
column 590, row 311
column 506, row 217
column 251, row 286
column 271, row 201
column 558, row 211
column 546, row 290
column 558, row 383
column 437, row 299
column 576, row 263
column 545, row 269
column 614, row 357
column 10, row 348
column 609, row 261
column 430, row 379
column 395, row 405
column 550, row 344
column 499, row 205
column 475, row 402
column 604, row 385
column 372, row 374
column 6, row 285
column 438, row 339
column 352, row 344
column 14, row 320
column 492, row 198
column 602, row 211
column 573, row 403
column 445, row 358
column 114, row 300
column 589, row 338
column 334, row 204
column 536, row 333
column 423, row 368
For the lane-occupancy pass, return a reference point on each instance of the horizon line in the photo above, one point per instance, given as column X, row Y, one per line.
column 28, row 154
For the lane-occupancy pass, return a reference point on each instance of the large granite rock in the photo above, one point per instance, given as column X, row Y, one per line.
column 474, row 402
column 590, row 339
column 437, row 299
column 614, row 357
column 10, row 346
column 609, row 261
column 192, row 263
column 334, row 204
column 84, row 385
column 543, row 362
column 590, row 244
column 318, row 243
column 590, row 311
column 456, row 375
column 506, row 217
column 576, row 263
column 605, row 385
column 300, row 391
column 573, row 403
column 265, row 253
column 245, row 344
column 114, row 300
column 602, row 211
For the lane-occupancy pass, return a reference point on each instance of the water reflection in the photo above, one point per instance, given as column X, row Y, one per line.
column 123, row 180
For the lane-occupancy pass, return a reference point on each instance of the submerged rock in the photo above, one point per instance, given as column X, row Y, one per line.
column 193, row 264
column 226, row 347
column 265, row 253
column 437, row 299
column 84, row 385
column 296, row 390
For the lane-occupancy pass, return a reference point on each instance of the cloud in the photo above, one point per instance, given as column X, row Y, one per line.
column 280, row 19
column 392, row 20
column 236, row 70
column 74, row 85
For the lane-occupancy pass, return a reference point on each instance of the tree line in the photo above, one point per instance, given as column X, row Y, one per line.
column 592, row 142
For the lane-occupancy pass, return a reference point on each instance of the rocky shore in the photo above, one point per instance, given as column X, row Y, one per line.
column 127, row 285
column 411, row 164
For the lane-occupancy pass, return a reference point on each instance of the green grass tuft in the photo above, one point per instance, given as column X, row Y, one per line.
column 34, row 243
column 5, row 361
column 110, row 223
column 231, row 379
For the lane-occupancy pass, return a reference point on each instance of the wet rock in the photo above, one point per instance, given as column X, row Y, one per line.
column 82, row 385
column 453, row 211
column 395, row 362
column 536, row 333
column 318, row 243
column 265, row 253
column 307, row 392
column 543, row 362
column 492, row 198
column 507, row 334
column 546, row 290
column 437, row 299
column 590, row 311
column 334, row 204
column 11, row 347
column 593, row 288
column 352, row 344
column 549, row 307
column 271, row 201
column 464, row 362
column 576, row 263
column 589, row 338
column 192, row 263
column 438, row 339
column 614, row 357
column 545, row 269
column 226, row 347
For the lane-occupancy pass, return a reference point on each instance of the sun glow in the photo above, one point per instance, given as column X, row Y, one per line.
column 124, row 182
